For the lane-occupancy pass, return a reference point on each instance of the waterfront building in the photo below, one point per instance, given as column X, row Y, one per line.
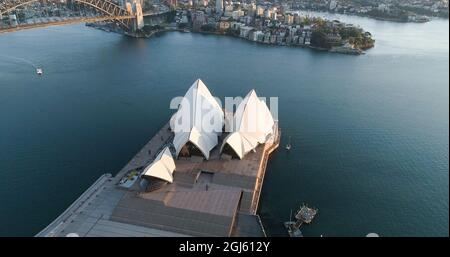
column 273, row 16
column 245, row 30
column 333, row 5
column 267, row 37
column 253, row 124
column 267, row 13
column 292, row 30
column 285, row 7
column 289, row 39
column 301, row 40
column 224, row 25
column 211, row 21
column 280, row 38
column 259, row 36
column 247, row 19
column 260, row 11
column 208, row 11
column 296, row 18
column 198, row 20
column 256, row 35
column 237, row 14
column 219, row 6
column 172, row 3
column 184, row 19
column 236, row 25
column 251, row 37
column 273, row 39
column 191, row 136
column 13, row 20
column 308, row 41
column 251, row 9
column 383, row 7
column 289, row 19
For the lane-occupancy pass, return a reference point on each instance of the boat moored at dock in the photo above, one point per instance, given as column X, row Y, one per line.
column 304, row 215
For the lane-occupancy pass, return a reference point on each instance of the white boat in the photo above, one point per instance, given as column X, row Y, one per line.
column 288, row 146
column 39, row 71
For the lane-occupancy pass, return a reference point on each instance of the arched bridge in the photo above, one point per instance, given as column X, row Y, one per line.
column 106, row 11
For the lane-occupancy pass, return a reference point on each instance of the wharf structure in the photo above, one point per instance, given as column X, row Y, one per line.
column 183, row 183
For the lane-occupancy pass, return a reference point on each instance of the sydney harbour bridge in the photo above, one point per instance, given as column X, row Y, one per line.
column 125, row 15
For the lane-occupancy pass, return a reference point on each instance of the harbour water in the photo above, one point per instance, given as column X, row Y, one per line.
column 369, row 133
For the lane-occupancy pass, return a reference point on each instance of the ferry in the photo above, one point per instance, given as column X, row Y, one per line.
column 39, row 71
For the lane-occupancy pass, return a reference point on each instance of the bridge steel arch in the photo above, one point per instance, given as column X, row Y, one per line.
column 106, row 7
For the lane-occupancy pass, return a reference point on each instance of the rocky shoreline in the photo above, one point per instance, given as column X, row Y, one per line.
column 151, row 33
column 340, row 50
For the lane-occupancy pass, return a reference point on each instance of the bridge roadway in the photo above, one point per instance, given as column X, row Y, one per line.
column 58, row 21
column 103, row 7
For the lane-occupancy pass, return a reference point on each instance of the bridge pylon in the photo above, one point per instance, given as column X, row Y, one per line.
column 135, row 8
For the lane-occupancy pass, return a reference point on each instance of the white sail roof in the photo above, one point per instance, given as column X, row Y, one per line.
column 162, row 167
column 199, row 120
column 252, row 125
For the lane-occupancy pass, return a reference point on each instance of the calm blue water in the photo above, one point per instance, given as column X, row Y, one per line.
column 369, row 133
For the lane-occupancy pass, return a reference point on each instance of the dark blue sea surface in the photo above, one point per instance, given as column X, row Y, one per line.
column 369, row 133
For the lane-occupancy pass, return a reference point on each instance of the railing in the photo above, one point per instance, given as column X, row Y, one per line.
column 263, row 166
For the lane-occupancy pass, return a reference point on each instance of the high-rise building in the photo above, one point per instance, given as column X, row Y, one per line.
column 219, row 6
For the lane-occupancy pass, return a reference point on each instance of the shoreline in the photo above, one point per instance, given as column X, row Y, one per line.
column 150, row 34
column 379, row 18
column 339, row 50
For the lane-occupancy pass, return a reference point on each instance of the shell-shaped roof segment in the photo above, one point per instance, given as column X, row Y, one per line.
column 199, row 120
column 162, row 167
column 252, row 125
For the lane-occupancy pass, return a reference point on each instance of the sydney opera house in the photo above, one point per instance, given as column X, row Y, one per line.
column 200, row 175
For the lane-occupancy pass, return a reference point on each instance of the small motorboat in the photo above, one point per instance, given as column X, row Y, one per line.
column 39, row 71
column 289, row 146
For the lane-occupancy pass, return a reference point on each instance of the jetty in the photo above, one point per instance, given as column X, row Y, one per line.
column 304, row 215
column 217, row 195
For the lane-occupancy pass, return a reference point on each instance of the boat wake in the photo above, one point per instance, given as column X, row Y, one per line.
column 19, row 60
